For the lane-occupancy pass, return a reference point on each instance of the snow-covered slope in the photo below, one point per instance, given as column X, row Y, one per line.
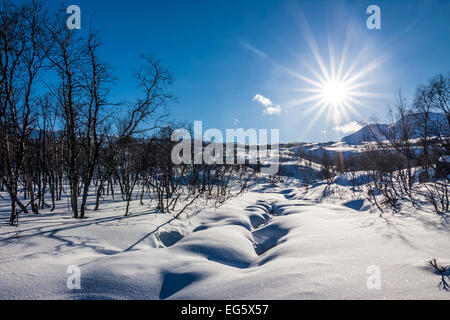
column 371, row 132
column 367, row 133
column 275, row 242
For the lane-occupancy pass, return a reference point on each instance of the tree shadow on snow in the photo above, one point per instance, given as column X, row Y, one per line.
column 443, row 271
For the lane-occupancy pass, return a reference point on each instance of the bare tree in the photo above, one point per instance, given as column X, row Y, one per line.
column 23, row 48
column 66, row 59
column 141, row 116
column 94, row 117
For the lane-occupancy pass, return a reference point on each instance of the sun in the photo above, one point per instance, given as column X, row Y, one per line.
column 335, row 89
column 339, row 79
column 335, row 82
column 335, row 92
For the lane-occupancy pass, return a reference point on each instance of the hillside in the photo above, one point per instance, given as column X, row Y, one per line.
column 372, row 132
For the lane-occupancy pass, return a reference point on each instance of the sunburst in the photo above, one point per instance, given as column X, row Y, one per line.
column 343, row 87
column 339, row 88
column 335, row 91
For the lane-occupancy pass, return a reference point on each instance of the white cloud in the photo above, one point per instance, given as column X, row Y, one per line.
column 269, row 107
column 236, row 121
column 323, row 131
column 263, row 100
column 272, row 110
column 348, row 127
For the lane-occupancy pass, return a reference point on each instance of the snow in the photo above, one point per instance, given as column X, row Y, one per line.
column 274, row 242
column 414, row 122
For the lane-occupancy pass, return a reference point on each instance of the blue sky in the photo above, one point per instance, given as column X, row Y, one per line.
column 224, row 53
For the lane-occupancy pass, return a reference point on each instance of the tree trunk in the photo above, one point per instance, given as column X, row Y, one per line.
column 13, row 216
column 84, row 200
column 99, row 194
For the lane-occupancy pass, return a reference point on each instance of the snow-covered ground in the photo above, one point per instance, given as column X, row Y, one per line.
column 274, row 242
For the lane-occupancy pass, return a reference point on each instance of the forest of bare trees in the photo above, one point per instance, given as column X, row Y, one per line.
column 64, row 137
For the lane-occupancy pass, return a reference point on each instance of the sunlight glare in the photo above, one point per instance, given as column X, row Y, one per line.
column 335, row 92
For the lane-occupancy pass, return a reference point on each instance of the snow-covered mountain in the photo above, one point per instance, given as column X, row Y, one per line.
column 366, row 133
column 437, row 123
